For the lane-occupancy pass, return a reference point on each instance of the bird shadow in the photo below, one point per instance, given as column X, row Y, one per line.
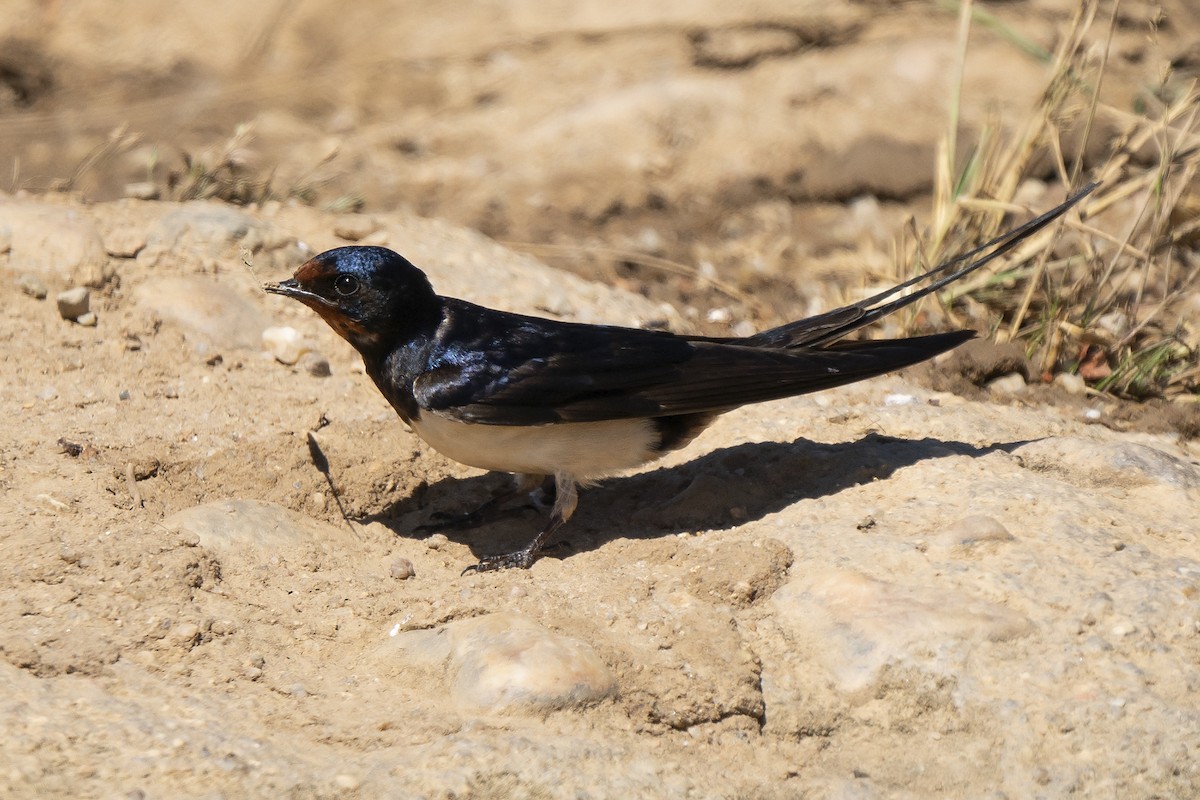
column 721, row 489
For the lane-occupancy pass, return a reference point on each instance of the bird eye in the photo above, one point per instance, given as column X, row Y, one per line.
column 345, row 285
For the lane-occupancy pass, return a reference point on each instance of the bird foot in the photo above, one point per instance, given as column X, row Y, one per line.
column 522, row 559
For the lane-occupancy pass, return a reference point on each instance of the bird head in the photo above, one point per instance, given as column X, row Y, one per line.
column 370, row 295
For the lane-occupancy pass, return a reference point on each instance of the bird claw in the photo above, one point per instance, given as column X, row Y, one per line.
column 522, row 559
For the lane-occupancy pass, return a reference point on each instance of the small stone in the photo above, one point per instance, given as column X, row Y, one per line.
column 347, row 783
column 1012, row 383
column 970, row 532
column 285, row 343
column 73, row 303
column 88, row 319
column 1123, row 627
column 32, row 286
column 185, row 632
column 505, row 661
column 223, row 627
column 1071, row 384
column 60, row 244
column 317, row 501
column 142, row 190
column 402, row 569
column 207, row 311
column 354, row 227
column 865, row 624
column 244, row 534
column 315, row 364
column 124, row 395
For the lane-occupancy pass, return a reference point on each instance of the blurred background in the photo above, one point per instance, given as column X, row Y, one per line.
column 724, row 157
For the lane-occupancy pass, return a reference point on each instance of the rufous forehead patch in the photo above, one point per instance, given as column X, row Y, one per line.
column 315, row 269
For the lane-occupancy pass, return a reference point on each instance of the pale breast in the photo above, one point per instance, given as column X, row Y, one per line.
column 583, row 449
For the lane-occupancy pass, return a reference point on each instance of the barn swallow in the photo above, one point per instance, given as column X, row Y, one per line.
column 538, row 397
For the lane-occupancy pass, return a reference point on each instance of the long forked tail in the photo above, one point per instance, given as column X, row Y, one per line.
column 831, row 325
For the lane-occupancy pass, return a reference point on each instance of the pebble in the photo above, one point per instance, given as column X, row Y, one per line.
column 209, row 311
column 347, row 783
column 73, row 303
column 88, row 319
column 970, row 532
column 185, row 632
column 285, row 344
column 315, row 364
column 1071, row 384
column 246, row 533
column 899, row 400
column 354, row 227
column 402, row 569
column 199, row 232
column 223, row 627
column 62, row 244
column 1012, row 383
column 142, row 190
column 505, row 661
column 32, row 286
column 866, row 624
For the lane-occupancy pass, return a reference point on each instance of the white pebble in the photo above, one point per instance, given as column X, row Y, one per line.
column 73, row 303
column 1071, row 384
column 1012, row 383
column 898, row 400
column 33, row 287
column 285, row 344
column 347, row 782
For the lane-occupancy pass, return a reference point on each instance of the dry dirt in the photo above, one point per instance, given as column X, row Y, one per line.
column 881, row 591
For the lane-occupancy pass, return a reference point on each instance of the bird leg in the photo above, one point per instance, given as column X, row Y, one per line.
column 566, row 497
column 490, row 510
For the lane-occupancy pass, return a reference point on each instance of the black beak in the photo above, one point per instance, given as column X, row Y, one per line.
column 288, row 288
column 291, row 288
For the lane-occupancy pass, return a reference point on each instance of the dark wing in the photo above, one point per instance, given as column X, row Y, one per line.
column 507, row 369
column 527, row 371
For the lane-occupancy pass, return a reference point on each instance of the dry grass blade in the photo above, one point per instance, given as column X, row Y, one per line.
column 1107, row 307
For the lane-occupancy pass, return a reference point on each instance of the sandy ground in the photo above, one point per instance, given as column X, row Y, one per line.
column 880, row 591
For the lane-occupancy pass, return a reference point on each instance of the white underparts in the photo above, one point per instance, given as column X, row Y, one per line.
column 583, row 450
